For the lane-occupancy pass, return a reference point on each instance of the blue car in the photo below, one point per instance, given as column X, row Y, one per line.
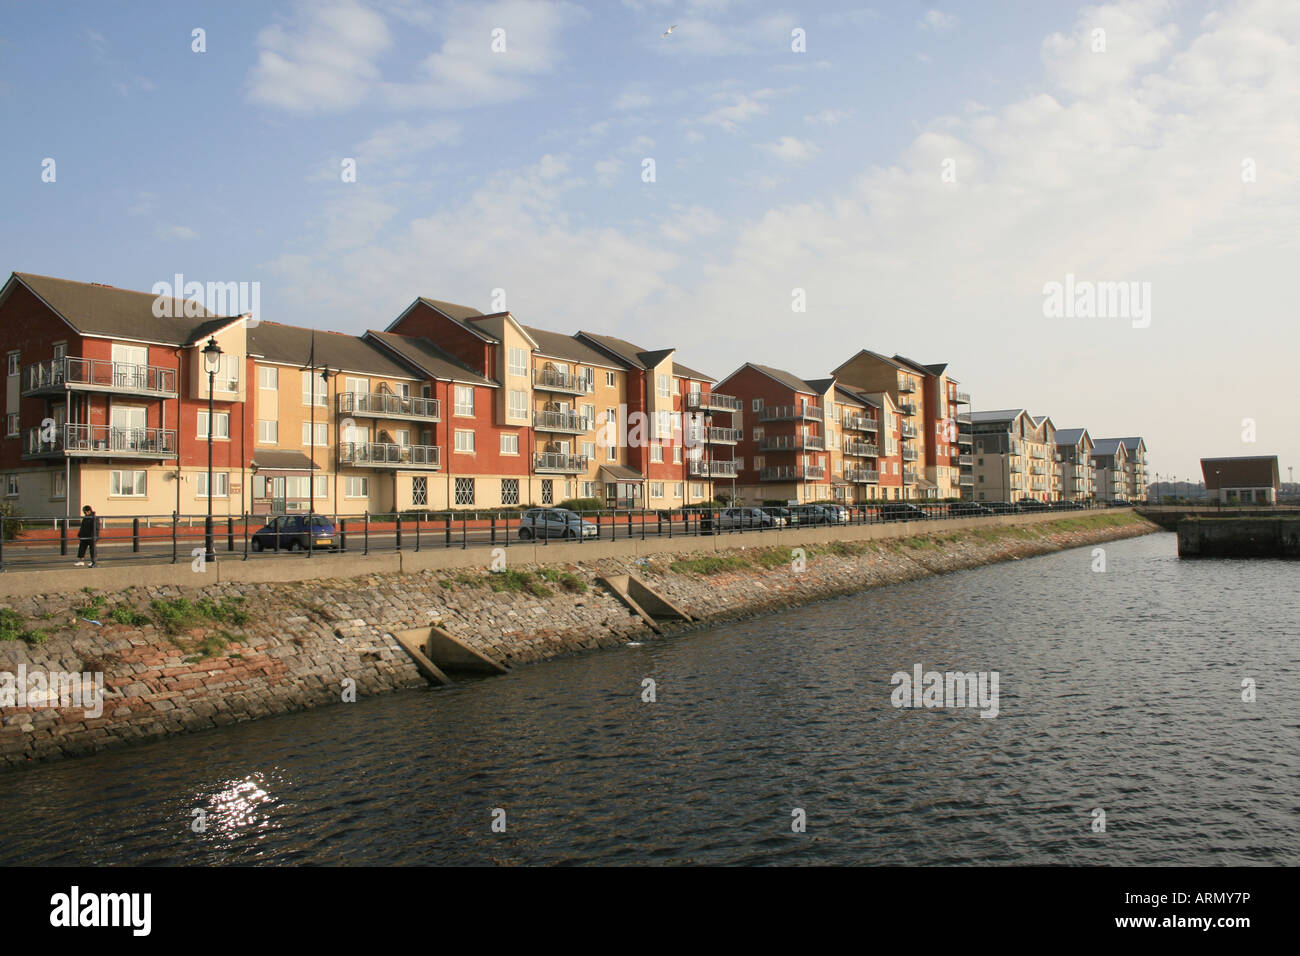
column 289, row 533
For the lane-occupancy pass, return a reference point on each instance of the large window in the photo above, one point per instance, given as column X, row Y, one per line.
column 268, row 378
column 222, row 429
column 128, row 484
column 58, row 485
column 220, row 481
column 268, row 432
column 664, row 385
column 464, row 491
column 358, row 487
column 510, row 491
column 518, row 362
column 313, row 383
column 518, row 404
column 321, row 434
column 464, row 440
column 464, row 400
column 656, row 489
column 509, row 444
column 11, row 424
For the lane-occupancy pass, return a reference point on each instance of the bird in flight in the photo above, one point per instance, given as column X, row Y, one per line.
column 669, row 30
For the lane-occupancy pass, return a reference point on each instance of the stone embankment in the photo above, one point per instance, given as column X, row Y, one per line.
column 176, row 659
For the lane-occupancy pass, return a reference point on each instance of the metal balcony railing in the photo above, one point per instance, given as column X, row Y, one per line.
column 963, row 398
column 106, row 441
column 699, row 468
column 908, row 431
column 792, row 473
column 714, row 435
column 861, row 424
column 388, row 455
column 862, row 448
column 862, row 475
column 388, row 405
column 561, row 422
column 792, row 442
column 556, row 380
column 785, row 413
column 72, row 372
column 909, row 454
column 557, row 462
column 712, row 401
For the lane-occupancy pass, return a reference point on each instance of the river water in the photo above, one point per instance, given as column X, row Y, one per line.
column 1118, row 691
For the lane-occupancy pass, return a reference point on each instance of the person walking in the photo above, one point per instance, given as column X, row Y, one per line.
column 86, row 536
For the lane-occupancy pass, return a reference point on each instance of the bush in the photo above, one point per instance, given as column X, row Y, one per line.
column 14, row 628
column 582, row 504
column 13, row 527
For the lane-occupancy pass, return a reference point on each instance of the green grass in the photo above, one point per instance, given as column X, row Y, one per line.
column 565, row 579
column 13, row 627
column 92, row 608
column 180, row 614
column 125, row 614
column 712, row 564
column 519, row 581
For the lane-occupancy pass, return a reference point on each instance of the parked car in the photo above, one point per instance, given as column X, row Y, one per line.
column 1067, row 505
column 901, row 511
column 289, row 533
column 968, row 509
column 1120, row 503
column 839, row 513
column 1000, row 507
column 746, row 518
column 814, row 514
column 555, row 523
column 1031, row 504
column 782, row 516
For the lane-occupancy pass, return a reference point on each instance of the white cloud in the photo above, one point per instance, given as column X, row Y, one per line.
column 938, row 21
column 790, row 149
column 690, row 222
column 741, row 108
column 827, row 117
column 182, row 233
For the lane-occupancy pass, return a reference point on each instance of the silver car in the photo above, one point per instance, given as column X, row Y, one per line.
column 554, row 523
column 748, row 518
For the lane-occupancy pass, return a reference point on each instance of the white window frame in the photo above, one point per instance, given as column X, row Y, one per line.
column 11, row 425
column 274, row 430
column 219, row 478
column 464, row 441
column 517, row 361
column 464, row 400
column 265, row 372
column 509, row 443
column 132, row 472
column 357, row 481
column 323, row 431
column 220, row 417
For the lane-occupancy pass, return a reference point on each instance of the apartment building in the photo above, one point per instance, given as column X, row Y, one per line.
column 1110, row 469
column 935, row 429
column 1006, row 441
column 1045, row 472
column 1135, row 468
column 782, row 455
column 1074, row 457
column 853, row 444
column 107, row 403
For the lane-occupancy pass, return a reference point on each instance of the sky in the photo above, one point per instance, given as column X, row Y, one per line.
column 768, row 183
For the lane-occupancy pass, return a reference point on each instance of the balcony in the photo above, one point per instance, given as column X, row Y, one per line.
column 789, row 413
column 792, row 473
column 859, row 424
column 712, row 402
column 963, row 398
column 1016, row 468
column 555, row 380
column 388, row 405
column 556, row 463
column 911, row 476
column 792, row 443
column 100, row 441
column 965, row 461
column 567, row 422
column 862, row 449
column 909, row 454
column 906, row 385
column 967, row 481
column 1038, row 453
column 862, row 475
column 965, row 438
column 385, row 455
column 1037, row 470
column 98, row 375
column 963, row 418
column 699, row 468
column 907, row 408
column 714, row 436
column 908, row 431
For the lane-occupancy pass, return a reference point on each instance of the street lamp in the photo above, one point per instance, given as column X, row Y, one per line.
column 211, row 363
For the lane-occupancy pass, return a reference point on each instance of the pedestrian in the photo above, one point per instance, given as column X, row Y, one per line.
column 86, row 536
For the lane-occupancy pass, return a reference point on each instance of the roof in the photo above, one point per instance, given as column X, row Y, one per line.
column 292, row 345
column 427, row 357
column 913, row 366
column 821, row 385
column 622, row 473
column 1133, row 444
column 875, row 355
column 1255, row 472
column 999, row 415
column 1101, row 447
column 282, row 460
column 1070, row 436
column 450, row 309
column 682, row 371
column 787, row 379
column 843, row 394
column 626, row 352
column 568, row 347
column 91, row 308
column 459, row 314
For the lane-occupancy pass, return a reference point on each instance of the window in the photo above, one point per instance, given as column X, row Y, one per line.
column 220, row 481
column 464, row 400
column 321, row 434
column 590, row 489
column 509, row 444
column 58, row 485
column 518, row 404
column 609, row 379
column 677, row 454
column 295, row 486
column 758, row 434
column 611, row 453
column 312, row 384
column 227, row 379
column 758, row 404
column 127, row 483
column 358, row 487
column 677, row 490
column 13, row 362
column 11, row 424
column 664, row 386
column 589, row 413
column 322, row 486
column 464, row 491
column 268, row 432
column 697, row 489
column 464, row 440
column 420, row 490
column 657, row 454
column 656, row 489
column 11, row 486
column 510, row 491
column 222, row 429
column 548, row 491
column 356, row 386
column 663, row 425
column 588, row 450
column 268, row 378
column 758, row 462
column 518, row 361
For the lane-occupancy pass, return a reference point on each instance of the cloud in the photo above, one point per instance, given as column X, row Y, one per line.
column 333, row 57
column 790, row 149
column 741, row 109
column 183, row 233
column 690, row 222
column 827, row 117
column 937, row 21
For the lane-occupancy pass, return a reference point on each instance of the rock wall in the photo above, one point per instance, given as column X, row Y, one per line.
column 176, row 660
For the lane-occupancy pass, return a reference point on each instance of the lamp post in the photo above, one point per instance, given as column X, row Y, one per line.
column 211, row 363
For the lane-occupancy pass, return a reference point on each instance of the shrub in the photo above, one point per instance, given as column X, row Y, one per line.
column 582, row 504
column 14, row 628
column 13, row 527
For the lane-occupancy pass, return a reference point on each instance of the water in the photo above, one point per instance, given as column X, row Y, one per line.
column 1118, row 690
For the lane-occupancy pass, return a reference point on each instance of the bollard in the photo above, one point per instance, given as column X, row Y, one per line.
column 447, row 519
column 399, row 533
column 365, row 534
column 230, row 533
column 417, row 534
column 63, row 536
column 175, row 519
column 343, row 535
column 135, row 535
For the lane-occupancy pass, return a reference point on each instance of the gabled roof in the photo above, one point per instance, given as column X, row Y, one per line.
column 1101, row 447
column 631, row 355
column 821, row 385
column 938, row 369
column 458, row 314
column 1071, row 436
column 431, row 360
column 1134, row 444
column 849, row 397
column 1254, row 472
column 998, row 415
column 875, row 355
column 568, row 347
column 916, row 367
column 90, row 308
column 683, row 371
column 292, row 345
column 786, row 378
